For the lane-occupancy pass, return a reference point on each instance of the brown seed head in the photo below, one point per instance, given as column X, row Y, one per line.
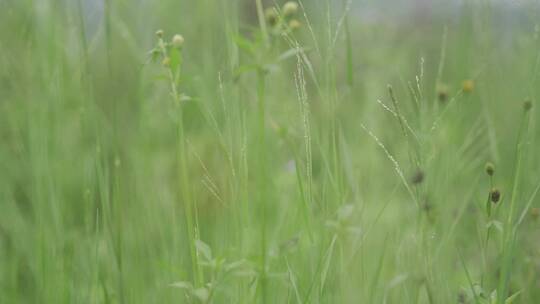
column 495, row 195
column 271, row 16
column 490, row 169
column 442, row 93
column 418, row 177
column 527, row 105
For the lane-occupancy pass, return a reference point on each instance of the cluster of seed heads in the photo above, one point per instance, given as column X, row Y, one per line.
column 163, row 47
column 285, row 21
column 467, row 86
column 494, row 193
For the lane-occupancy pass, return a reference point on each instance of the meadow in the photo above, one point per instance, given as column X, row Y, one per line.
column 231, row 151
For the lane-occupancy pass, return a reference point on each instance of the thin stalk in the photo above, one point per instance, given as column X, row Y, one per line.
column 262, row 22
column 488, row 232
column 184, row 180
column 263, row 180
column 349, row 54
column 187, row 198
column 509, row 229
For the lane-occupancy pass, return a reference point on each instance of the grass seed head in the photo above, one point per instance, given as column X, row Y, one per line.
column 290, row 8
column 495, row 195
column 468, row 86
column 490, row 169
column 159, row 33
column 178, row 41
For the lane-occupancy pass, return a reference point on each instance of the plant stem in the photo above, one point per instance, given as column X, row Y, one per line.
column 509, row 229
column 263, row 180
column 262, row 22
column 183, row 176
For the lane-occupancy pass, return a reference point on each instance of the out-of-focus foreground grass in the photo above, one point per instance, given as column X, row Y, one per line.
column 339, row 162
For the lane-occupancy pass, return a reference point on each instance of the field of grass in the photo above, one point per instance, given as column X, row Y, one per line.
column 272, row 153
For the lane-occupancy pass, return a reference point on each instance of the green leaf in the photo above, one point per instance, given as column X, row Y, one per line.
column 498, row 225
column 184, row 97
column 493, row 297
column 182, row 285
column 202, row 294
column 290, row 53
column 244, row 44
column 511, row 298
column 328, row 259
column 234, row 265
column 204, row 249
column 244, row 69
column 345, row 212
column 154, row 54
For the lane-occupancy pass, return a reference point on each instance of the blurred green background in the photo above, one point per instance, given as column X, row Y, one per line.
column 332, row 192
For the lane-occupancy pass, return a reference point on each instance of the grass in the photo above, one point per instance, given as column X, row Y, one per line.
column 339, row 162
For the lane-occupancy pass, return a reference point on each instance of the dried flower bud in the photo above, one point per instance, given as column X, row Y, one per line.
column 271, row 16
column 468, row 86
column 442, row 93
column 527, row 105
column 535, row 213
column 166, row 62
column 418, row 177
column 177, row 41
column 490, row 169
column 290, row 8
column 159, row 33
column 495, row 195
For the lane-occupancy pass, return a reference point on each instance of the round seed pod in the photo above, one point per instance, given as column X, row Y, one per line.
column 295, row 24
column 490, row 169
column 495, row 195
column 271, row 16
column 177, row 41
column 290, row 8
